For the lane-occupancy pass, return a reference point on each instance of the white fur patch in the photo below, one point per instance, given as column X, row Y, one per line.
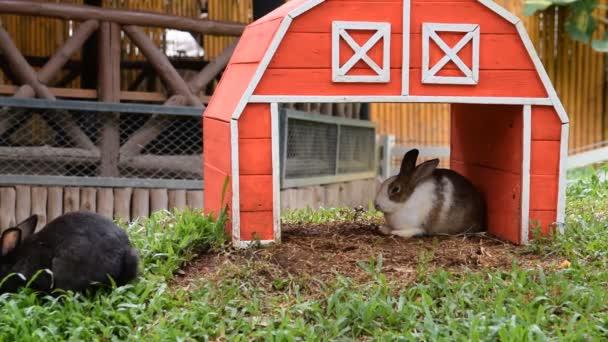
column 382, row 201
column 448, row 198
column 411, row 214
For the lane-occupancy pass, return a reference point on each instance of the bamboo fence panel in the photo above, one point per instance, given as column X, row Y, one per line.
column 226, row 10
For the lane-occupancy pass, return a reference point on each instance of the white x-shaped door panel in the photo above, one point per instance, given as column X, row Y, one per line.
column 429, row 73
column 340, row 31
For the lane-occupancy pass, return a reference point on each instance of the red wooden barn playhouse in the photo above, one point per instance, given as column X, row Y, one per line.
column 509, row 131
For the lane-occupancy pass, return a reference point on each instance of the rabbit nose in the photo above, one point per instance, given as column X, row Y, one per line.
column 376, row 206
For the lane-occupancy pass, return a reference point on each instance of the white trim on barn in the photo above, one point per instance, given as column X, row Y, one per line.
column 339, row 31
column 248, row 244
column 304, row 8
column 542, row 73
column 525, row 172
column 429, row 74
column 563, row 166
column 272, row 48
column 405, row 64
column 510, row 17
column 276, row 173
column 236, row 201
column 401, row 99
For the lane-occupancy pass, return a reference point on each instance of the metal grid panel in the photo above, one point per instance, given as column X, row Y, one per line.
column 320, row 149
column 311, row 149
column 45, row 142
column 357, row 149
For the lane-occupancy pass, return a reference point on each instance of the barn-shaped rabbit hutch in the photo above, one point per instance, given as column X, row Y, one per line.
column 509, row 130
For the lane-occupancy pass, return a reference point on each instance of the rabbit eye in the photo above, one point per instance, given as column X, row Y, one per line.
column 395, row 189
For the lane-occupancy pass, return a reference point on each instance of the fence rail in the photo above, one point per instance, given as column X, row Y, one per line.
column 58, row 142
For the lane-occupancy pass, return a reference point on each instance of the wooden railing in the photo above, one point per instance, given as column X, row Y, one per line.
column 109, row 24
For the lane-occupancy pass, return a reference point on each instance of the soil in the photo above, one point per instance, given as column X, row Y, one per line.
column 322, row 251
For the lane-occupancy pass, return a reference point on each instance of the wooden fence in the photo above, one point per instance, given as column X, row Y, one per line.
column 127, row 204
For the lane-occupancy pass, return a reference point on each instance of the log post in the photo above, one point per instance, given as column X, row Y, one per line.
column 19, row 65
column 88, row 199
column 109, row 91
column 27, row 75
column 7, row 208
column 62, row 56
column 54, row 202
column 177, row 200
column 71, row 199
column 23, row 202
column 105, row 202
column 39, row 195
column 159, row 200
column 122, row 204
column 140, row 205
column 161, row 63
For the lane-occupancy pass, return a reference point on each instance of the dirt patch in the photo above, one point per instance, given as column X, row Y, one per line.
column 322, row 251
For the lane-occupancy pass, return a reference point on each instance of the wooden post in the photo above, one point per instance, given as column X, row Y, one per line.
column 62, row 56
column 20, row 66
column 88, row 199
column 7, row 208
column 161, row 63
column 105, row 202
column 27, row 75
column 71, row 199
column 141, row 204
column 194, row 199
column 55, row 203
column 159, row 200
column 23, row 203
column 122, row 203
column 39, row 198
column 177, row 200
column 109, row 91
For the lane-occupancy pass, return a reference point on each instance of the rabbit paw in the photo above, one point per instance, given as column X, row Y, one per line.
column 386, row 230
column 408, row 233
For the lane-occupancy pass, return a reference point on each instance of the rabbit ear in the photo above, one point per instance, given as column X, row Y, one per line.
column 28, row 226
column 409, row 162
column 425, row 169
column 10, row 239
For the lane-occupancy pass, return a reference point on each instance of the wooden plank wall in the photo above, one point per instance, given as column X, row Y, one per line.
column 127, row 204
column 350, row 194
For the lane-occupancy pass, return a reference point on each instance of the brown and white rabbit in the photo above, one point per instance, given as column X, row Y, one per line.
column 425, row 200
column 74, row 252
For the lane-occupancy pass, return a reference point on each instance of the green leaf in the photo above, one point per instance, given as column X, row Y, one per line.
column 600, row 45
column 580, row 24
column 533, row 6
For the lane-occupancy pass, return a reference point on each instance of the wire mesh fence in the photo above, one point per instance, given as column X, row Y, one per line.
column 133, row 144
column 318, row 149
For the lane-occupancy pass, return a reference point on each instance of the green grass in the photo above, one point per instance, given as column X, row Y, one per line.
column 537, row 304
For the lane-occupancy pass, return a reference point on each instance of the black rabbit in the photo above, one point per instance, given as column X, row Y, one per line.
column 76, row 251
